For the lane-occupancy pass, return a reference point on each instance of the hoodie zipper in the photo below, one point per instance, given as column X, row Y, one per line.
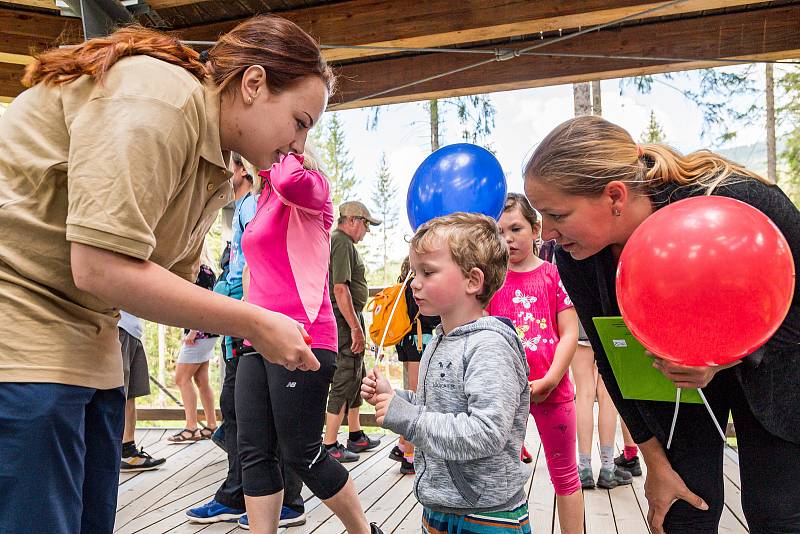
column 424, row 398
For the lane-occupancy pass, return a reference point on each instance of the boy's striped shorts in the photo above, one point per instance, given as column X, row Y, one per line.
column 514, row 522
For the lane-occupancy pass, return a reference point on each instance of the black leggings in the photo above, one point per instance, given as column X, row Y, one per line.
column 769, row 466
column 281, row 409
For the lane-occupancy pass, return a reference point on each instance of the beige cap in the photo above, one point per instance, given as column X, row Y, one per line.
column 355, row 208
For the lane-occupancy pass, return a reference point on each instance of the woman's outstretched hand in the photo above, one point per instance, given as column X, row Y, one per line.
column 283, row 341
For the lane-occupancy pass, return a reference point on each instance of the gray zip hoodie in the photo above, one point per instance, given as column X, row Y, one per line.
column 468, row 419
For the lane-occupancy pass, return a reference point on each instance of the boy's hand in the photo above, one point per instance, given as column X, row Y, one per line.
column 540, row 390
column 381, row 403
column 374, row 384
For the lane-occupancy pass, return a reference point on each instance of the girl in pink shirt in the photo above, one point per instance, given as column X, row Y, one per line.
column 287, row 250
column 534, row 298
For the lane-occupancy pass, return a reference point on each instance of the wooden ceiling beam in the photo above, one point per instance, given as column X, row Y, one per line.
column 436, row 23
column 772, row 33
column 40, row 4
column 24, row 32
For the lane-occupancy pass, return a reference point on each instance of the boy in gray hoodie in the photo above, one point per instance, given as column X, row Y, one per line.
column 468, row 416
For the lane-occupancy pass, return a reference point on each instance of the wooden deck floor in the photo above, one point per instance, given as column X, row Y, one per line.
column 155, row 501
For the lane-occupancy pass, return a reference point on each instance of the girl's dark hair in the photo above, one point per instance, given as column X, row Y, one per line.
column 518, row 200
column 286, row 52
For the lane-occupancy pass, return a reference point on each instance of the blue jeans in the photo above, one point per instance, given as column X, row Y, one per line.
column 60, row 450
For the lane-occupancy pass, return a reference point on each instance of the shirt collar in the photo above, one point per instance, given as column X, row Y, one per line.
column 210, row 143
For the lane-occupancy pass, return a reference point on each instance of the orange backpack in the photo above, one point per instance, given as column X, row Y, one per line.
column 381, row 307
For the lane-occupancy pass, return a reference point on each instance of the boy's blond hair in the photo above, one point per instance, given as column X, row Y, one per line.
column 474, row 241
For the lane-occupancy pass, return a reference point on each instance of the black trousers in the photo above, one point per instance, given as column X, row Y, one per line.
column 277, row 408
column 769, row 466
column 230, row 492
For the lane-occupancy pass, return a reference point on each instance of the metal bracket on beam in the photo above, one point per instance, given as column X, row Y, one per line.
column 101, row 17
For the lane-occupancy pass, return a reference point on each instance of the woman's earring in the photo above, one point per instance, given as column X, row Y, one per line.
column 616, row 212
column 249, row 99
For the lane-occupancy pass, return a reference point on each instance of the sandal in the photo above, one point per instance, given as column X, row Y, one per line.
column 186, row 435
column 206, row 432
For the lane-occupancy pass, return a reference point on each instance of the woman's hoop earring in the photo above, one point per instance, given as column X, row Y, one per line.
column 616, row 212
column 249, row 100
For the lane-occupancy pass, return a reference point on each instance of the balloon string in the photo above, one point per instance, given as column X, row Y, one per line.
column 711, row 413
column 379, row 355
column 674, row 417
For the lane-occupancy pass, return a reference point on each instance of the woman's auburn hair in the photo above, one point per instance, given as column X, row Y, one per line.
column 286, row 52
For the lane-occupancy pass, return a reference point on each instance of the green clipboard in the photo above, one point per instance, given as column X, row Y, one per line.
column 636, row 376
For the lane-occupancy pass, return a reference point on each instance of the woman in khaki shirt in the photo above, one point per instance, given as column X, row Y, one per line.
column 112, row 168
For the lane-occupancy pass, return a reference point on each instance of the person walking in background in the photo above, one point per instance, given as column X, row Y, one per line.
column 197, row 351
column 349, row 294
column 137, row 384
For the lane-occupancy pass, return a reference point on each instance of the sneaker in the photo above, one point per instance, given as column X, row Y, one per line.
column 218, row 437
column 406, row 467
column 342, row 455
column 364, row 443
column 375, row 529
column 396, row 454
column 139, row 461
column 609, row 480
column 213, row 512
column 243, row 522
column 632, row 466
column 291, row 518
column 587, row 478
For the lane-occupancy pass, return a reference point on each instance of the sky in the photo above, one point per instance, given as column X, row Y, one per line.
column 523, row 118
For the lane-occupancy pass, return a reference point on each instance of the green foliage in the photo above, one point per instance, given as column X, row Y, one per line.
column 715, row 97
column 476, row 116
column 384, row 196
column 789, row 116
column 329, row 138
column 653, row 133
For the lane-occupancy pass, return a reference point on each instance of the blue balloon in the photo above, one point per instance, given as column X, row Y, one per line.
column 460, row 177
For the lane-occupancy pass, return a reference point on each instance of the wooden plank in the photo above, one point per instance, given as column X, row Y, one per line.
column 17, row 59
column 412, row 523
column 729, row 524
column 160, row 482
column 321, row 514
column 730, row 466
column 628, row 517
column 436, row 23
column 382, row 510
column 170, row 511
column 177, row 414
column 39, row 4
column 24, row 31
column 597, row 504
column 368, row 497
column 730, row 35
column 733, row 501
column 541, row 499
column 637, row 487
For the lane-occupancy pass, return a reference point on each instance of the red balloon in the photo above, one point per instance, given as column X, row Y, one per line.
column 705, row 281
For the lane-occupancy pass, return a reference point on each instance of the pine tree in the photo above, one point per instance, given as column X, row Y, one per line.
column 384, row 198
column 329, row 139
column 653, row 133
column 789, row 113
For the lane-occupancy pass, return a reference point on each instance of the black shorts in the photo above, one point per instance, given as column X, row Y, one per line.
column 134, row 366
